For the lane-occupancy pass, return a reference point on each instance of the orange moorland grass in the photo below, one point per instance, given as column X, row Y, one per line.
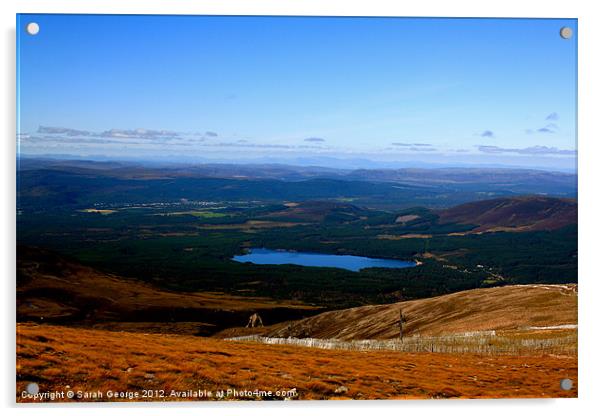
column 497, row 308
column 62, row 358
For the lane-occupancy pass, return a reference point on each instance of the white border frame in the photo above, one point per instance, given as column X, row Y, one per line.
column 590, row 201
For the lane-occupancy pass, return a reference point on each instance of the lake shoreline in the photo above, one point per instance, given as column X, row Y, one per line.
column 265, row 256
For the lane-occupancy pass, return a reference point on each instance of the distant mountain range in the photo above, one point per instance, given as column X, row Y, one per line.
column 343, row 163
column 44, row 181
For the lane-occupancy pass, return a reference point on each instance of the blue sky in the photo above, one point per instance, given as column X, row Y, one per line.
column 390, row 90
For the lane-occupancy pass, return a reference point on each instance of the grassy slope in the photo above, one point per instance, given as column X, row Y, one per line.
column 91, row 360
column 526, row 213
column 508, row 307
column 53, row 289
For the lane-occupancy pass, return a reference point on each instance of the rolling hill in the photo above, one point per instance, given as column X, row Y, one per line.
column 320, row 211
column 64, row 183
column 516, row 307
column 525, row 213
column 54, row 289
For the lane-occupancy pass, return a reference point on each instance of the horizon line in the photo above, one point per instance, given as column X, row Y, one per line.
column 290, row 163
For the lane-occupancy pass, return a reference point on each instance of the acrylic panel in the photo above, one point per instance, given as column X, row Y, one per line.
column 295, row 208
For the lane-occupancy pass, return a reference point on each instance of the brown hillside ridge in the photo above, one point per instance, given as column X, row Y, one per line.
column 67, row 359
column 53, row 289
column 519, row 307
column 526, row 213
